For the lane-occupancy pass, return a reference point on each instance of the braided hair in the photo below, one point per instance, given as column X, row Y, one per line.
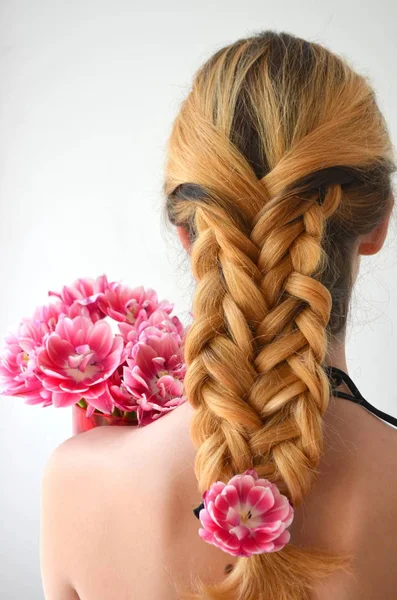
column 278, row 160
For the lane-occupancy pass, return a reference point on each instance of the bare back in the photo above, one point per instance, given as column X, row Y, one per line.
column 129, row 532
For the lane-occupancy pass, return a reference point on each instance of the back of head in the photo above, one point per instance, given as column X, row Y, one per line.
column 278, row 160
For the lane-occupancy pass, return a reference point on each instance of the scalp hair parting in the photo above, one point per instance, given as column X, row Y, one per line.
column 278, row 160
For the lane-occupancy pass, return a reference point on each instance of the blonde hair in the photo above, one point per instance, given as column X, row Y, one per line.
column 278, row 160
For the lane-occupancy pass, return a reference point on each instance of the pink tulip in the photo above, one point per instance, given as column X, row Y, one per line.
column 17, row 371
column 77, row 360
column 154, row 376
column 48, row 315
column 128, row 305
column 161, row 321
column 246, row 516
column 123, row 399
column 82, row 298
column 157, row 323
column 18, row 363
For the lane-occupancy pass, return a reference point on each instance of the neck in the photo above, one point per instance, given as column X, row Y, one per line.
column 336, row 353
column 335, row 415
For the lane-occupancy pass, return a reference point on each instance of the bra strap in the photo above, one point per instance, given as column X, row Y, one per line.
column 336, row 377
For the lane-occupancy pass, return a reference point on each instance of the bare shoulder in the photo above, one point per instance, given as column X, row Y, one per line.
column 89, row 469
column 111, row 449
column 76, row 501
column 118, row 502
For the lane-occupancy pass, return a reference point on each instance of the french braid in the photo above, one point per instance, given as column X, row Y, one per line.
column 274, row 170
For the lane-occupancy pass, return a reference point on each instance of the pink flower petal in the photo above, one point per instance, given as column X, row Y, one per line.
column 207, row 522
column 232, row 495
column 63, row 399
column 282, row 540
column 228, row 539
column 86, row 361
column 260, row 498
column 103, row 402
column 100, row 339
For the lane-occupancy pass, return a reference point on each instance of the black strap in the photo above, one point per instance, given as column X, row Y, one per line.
column 197, row 509
column 337, row 376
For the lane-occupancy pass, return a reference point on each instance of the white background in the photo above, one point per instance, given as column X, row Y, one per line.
column 88, row 92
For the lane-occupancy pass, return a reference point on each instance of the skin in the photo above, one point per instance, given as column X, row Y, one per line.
column 117, row 521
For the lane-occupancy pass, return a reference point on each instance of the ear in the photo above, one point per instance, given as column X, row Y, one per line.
column 184, row 237
column 372, row 242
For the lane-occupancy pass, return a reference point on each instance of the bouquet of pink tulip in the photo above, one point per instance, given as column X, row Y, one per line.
column 68, row 353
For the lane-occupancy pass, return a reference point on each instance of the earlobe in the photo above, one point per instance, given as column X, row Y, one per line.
column 184, row 237
column 373, row 241
column 368, row 248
